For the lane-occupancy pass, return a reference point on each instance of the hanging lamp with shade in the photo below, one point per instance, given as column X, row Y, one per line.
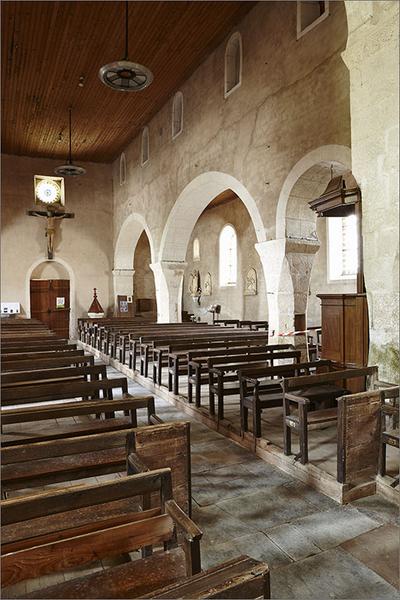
column 69, row 169
column 124, row 75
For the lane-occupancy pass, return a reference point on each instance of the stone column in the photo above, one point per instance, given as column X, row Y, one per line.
column 168, row 277
column 272, row 254
column 371, row 56
column 123, row 283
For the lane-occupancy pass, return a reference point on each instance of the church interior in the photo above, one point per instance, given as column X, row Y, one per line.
column 200, row 360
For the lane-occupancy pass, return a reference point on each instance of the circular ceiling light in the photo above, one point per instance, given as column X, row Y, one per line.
column 124, row 75
column 69, row 169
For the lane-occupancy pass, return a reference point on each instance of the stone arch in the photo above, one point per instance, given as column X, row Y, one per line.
column 128, row 237
column 328, row 153
column 188, row 207
column 298, row 250
column 72, row 289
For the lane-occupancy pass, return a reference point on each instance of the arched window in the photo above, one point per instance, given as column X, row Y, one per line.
column 177, row 114
column 145, row 145
column 122, row 169
column 196, row 250
column 227, row 256
column 233, row 63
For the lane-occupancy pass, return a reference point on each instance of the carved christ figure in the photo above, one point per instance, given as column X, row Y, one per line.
column 51, row 217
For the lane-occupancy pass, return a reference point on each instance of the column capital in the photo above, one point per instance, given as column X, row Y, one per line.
column 123, row 272
column 168, row 266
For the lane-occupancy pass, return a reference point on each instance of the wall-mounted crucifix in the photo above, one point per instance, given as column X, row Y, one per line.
column 49, row 195
column 51, row 216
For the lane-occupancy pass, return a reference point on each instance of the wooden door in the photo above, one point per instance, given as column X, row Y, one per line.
column 50, row 304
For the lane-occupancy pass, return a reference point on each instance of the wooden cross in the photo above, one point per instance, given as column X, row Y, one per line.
column 51, row 217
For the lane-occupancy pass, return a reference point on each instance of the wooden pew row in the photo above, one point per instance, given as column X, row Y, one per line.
column 64, row 390
column 260, row 388
column 43, row 376
column 149, row 343
column 128, row 404
column 26, row 356
column 193, row 363
column 300, row 392
column 79, row 358
column 199, row 368
column 223, row 374
column 7, row 349
column 85, row 523
column 161, row 355
column 32, row 465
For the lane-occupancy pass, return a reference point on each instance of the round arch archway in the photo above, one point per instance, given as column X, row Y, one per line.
column 128, row 237
column 188, row 207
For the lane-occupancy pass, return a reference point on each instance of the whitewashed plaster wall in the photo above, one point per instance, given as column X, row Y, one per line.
column 372, row 56
column 83, row 246
column 234, row 304
column 293, row 98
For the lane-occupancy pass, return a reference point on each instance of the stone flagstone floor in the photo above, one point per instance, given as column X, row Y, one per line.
column 316, row 549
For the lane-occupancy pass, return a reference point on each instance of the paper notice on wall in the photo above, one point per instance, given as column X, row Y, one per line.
column 123, row 306
column 60, row 302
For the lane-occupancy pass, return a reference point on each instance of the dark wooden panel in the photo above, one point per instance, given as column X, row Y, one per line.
column 48, row 46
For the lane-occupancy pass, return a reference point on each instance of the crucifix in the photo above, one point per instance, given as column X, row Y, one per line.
column 51, row 216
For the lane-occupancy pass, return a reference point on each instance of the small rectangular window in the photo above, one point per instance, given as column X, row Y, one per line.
column 342, row 248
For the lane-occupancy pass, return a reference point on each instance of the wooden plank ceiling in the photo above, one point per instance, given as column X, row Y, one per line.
column 48, row 46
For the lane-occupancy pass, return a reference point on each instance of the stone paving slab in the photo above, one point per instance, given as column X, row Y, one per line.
column 378, row 550
column 293, row 541
column 256, row 545
column 331, row 574
column 329, row 528
column 378, row 508
column 271, row 506
column 217, row 525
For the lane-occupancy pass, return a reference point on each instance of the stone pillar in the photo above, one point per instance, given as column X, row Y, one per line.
column 371, row 56
column 272, row 254
column 123, row 283
column 168, row 277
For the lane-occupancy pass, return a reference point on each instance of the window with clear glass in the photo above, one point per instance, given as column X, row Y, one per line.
column 196, row 250
column 342, row 247
column 228, row 256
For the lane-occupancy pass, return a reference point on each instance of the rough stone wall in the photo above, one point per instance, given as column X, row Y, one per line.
column 234, row 304
column 84, row 243
column 293, row 98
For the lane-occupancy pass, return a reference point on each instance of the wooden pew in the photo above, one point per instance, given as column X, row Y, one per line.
column 178, row 361
column 166, row 445
column 7, row 349
column 63, row 390
column 142, row 449
column 240, row 577
column 79, row 358
column 183, row 349
column 84, row 524
column 300, row 392
column 260, row 388
column 198, row 366
column 41, row 376
column 128, row 404
column 147, row 345
column 223, row 374
column 389, row 435
column 7, row 358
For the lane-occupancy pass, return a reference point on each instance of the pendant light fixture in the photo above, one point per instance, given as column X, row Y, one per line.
column 124, row 75
column 69, row 169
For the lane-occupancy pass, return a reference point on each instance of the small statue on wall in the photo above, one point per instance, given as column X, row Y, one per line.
column 250, row 288
column 207, row 288
column 194, row 284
